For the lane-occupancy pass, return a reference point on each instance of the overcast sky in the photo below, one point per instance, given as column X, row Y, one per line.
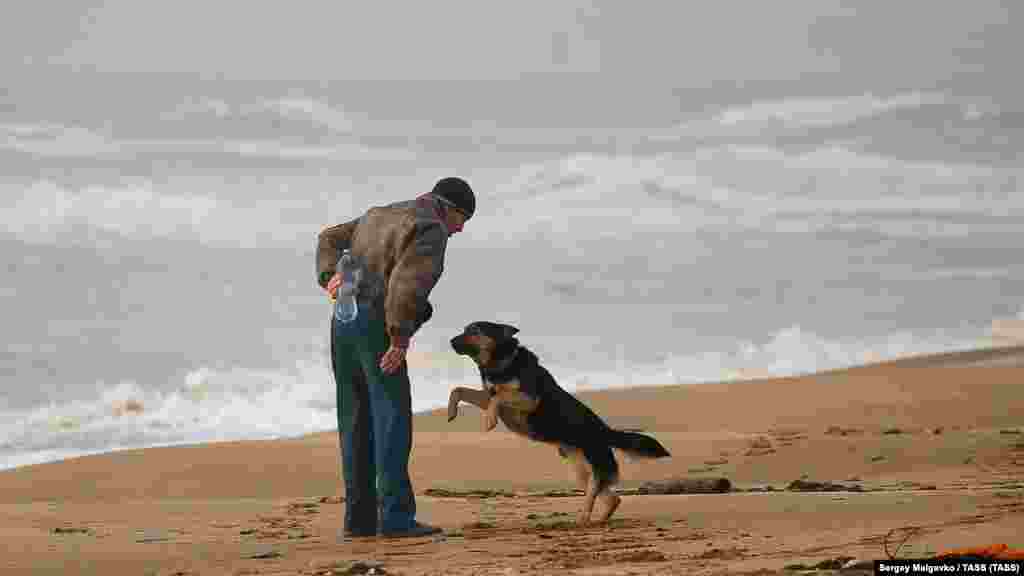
column 656, row 179
column 689, row 43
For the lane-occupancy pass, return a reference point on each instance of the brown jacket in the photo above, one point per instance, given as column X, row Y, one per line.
column 400, row 248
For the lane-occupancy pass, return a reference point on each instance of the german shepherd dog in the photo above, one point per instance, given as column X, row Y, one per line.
column 524, row 395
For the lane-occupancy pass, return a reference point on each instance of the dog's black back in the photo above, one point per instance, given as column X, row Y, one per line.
column 561, row 416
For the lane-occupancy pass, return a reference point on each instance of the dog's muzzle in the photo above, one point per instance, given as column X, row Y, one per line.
column 460, row 346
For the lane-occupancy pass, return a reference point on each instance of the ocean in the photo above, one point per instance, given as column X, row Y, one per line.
column 160, row 285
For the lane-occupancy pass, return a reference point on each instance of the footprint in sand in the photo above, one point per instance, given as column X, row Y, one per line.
column 260, row 552
column 788, row 437
column 760, row 446
column 152, row 535
column 760, row 442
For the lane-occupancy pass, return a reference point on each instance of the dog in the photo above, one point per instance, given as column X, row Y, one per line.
column 520, row 392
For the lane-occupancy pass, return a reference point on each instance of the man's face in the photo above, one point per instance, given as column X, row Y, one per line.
column 456, row 219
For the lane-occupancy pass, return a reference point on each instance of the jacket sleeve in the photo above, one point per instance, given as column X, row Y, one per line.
column 416, row 272
column 330, row 243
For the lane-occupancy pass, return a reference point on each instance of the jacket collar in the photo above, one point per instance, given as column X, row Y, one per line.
column 436, row 206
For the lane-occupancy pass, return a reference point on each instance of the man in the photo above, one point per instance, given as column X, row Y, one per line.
column 400, row 249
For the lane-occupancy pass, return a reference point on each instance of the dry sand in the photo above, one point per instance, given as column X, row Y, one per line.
column 931, row 443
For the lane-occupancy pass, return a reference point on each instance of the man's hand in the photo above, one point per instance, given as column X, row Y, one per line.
column 333, row 284
column 392, row 359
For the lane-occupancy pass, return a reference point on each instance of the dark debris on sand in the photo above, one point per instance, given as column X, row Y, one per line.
column 471, row 494
column 71, row 530
column 358, row 568
column 811, row 486
column 837, row 565
column 840, row 431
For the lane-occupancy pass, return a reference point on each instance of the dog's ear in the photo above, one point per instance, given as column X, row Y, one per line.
column 509, row 331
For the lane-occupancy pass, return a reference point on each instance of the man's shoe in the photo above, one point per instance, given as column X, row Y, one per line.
column 415, row 531
column 347, row 534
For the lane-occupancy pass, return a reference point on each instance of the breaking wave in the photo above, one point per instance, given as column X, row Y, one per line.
column 240, row 404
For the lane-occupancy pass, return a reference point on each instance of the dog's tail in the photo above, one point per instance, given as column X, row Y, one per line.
column 637, row 445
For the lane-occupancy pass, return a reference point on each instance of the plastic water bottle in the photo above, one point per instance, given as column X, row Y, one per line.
column 345, row 307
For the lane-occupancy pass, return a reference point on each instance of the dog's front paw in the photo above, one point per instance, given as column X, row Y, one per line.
column 453, row 405
column 490, row 420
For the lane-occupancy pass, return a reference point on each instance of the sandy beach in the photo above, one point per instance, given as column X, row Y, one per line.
column 915, row 456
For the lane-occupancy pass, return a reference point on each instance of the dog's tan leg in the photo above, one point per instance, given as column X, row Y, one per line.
column 609, row 500
column 453, row 403
column 586, row 481
column 478, row 398
column 589, row 496
column 491, row 414
column 580, row 467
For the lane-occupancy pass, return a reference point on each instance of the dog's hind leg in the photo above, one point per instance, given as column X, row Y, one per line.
column 601, row 474
column 589, row 496
column 580, row 466
column 584, row 476
column 587, row 482
column 611, row 503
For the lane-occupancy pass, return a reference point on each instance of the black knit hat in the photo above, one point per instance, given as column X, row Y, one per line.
column 456, row 192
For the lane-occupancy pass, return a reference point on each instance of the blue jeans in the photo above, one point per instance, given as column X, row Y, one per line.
column 374, row 427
